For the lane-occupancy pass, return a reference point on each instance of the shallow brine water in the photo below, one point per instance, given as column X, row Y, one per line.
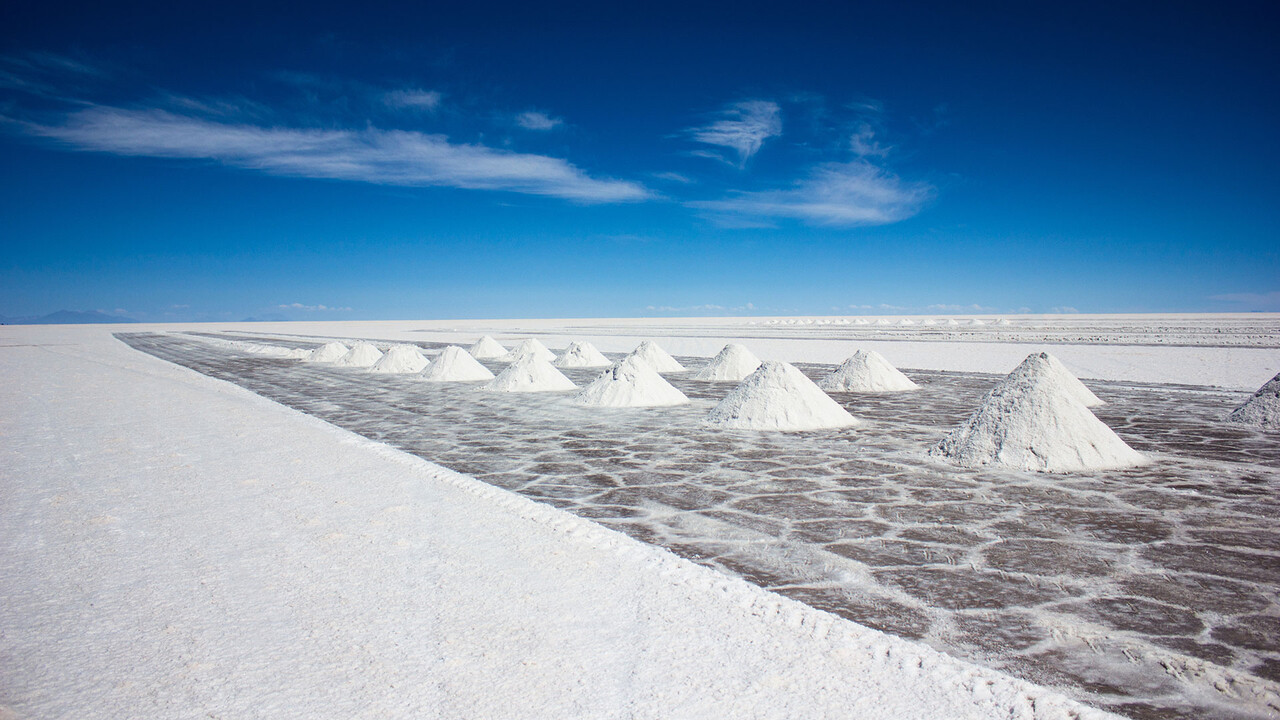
column 1151, row 591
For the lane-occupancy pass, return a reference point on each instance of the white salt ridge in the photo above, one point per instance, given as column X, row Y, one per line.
column 361, row 355
column 486, row 348
column 255, row 348
column 531, row 346
column 1033, row 420
column 1262, row 410
column 866, row 372
column 657, row 358
column 327, row 353
column 400, row 359
column 630, row 383
column 530, row 373
column 733, row 364
column 581, row 355
column 777, row 396
column 455, row 365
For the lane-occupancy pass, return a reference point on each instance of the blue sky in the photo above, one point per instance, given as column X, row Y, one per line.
column 343, row 162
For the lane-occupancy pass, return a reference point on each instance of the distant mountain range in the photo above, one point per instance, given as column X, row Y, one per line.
column 67, row 317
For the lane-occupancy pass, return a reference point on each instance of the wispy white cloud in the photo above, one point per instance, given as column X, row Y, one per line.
column 313, row 308
column 1251, row 300
column 674, row 177
column 413, row 99
column 864, row 144
column 743, row 127
column 834, row 194
column 371, row 155
column 534, row 120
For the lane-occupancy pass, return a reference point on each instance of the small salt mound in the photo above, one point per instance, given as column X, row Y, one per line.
column 866, row 372
column 1003, row 322
column 630, row 383
column 657, row 358
column 976, row 321
column 952, row 322
column 528, row 347
column 486, row 348
column 882, row 321
column 455, row 365
column 907, row 322
column 400, row 359
column 1038, row 363
column 861, row 322
column 581, row 355
column 777, row 396
column 530, row 373
column 327, row 353
column 930, row 321
column 732, row 364
column 362, row 354
column 1262, row 410
column 1032, row 421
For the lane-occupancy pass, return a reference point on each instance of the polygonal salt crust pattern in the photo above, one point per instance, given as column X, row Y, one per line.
column 1092, row 582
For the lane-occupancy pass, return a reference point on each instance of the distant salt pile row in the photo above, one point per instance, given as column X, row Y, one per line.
column 1262, row 410
column 254, row 348
column 1035, row 419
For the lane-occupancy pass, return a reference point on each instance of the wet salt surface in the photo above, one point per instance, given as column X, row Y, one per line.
column 1152, row 591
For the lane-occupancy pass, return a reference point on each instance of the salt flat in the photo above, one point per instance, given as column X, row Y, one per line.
column 175, row 546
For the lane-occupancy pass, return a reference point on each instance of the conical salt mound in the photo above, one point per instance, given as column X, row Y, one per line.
column 529, row 347
column 400, row 359
column 1262, row 410
column 327, row 353
column 1039, row 363
column 777, row 396
column 362, row 354
column 732, row 364
column 866, row 372
column 486, row 348
column 657, row 358
column 530, row 374
column 455, row 365
column 630, row 383
column 1032, row 420
column 581, row 355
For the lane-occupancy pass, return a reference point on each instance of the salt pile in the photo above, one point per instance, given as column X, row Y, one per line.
column 1003, row 322
column 952, row 322
column 777, row 396
column 630, row 383
column 455, row 365
column 530, row 373
column 362, row 354
column 486, row 348
column 1032, row 420
column 400, row 359
column 580, row 355
column 868, row 372
column 882, row 321
column 327, row 353
column 657, row 358
column 732, row 364
column 1039, row 363
column 906, row 322
column 528, row 347
column 976, row 321
column 1262, row 410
